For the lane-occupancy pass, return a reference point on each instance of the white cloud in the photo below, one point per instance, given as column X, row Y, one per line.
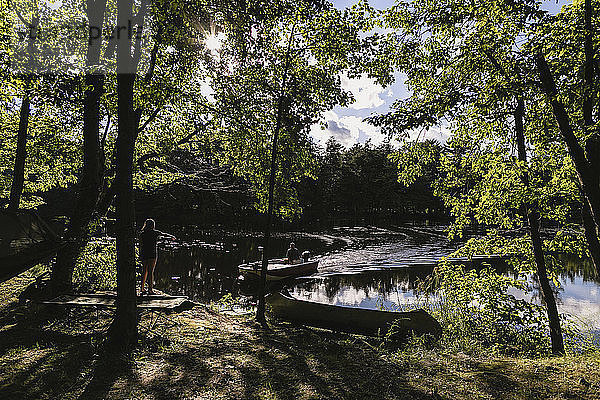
column 362, row 129
column 439, row 133
column 53, row 4
column 206, row 90
column 348, row 130
column 366, row 92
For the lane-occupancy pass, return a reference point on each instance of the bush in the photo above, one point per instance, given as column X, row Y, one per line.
column 478, row 314
column 96, row 267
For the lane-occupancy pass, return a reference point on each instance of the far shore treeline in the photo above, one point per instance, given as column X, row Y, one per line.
column 351, row 186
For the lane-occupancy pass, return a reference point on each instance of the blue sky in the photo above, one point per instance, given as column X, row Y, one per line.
column 346, row 123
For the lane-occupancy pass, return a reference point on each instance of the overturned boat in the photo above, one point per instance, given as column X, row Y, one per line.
column 349, row 319
column 25, row 241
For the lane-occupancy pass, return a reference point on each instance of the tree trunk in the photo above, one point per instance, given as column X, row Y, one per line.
column 80, row 222
column 592, row 229
column 21, row 154
column 591, row 236
column 588, row 172
column 536, row 241
column 18, row 181
column 78, row 232
column 588, row 87
column 547, row 293
column 260, row 309
column 88, row 213
column 123, row 331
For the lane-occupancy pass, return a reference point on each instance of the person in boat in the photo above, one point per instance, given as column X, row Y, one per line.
column 305, row 256
column 293, row 255
column 149, row 253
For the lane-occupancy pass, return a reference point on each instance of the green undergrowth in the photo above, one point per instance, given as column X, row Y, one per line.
column 479, row 314
column 96, row 267
column 204, row 354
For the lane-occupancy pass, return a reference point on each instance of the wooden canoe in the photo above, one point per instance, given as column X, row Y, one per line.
column 349, row 319
column 278, row 271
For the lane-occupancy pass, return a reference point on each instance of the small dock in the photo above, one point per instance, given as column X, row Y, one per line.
column 157, row 302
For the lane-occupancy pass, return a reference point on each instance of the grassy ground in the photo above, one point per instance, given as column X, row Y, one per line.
column 208, row 355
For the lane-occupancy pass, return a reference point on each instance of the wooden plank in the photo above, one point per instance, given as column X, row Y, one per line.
column 108, row 301
column 114, row 295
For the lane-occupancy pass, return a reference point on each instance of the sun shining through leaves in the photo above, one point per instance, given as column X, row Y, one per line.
column 213, row 42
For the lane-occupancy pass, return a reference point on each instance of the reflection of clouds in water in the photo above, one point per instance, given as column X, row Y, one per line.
column 345, row 296
column 576, row 298
column 578, row 289
column 585, row 312
column 353, row 297
column 391, row 289
column 579, row 299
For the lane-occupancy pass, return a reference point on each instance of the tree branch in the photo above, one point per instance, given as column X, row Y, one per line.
column 150, row 119
column 588, row 92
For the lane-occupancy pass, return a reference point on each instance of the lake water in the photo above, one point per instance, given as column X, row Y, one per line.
column 358, row 267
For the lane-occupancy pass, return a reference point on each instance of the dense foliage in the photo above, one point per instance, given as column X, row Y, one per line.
column 360, row 185
column 210, row 86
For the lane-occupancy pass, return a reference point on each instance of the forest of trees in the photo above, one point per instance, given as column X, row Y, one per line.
column 217, row 97
column 353, row 186
column 359, row 185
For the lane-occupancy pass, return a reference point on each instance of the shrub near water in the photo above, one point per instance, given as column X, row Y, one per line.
column 479, row 315
column 96, row 267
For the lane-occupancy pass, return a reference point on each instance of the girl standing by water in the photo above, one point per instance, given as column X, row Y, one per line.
column 149, row 252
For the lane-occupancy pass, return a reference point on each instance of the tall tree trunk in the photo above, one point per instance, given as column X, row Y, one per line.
column 78, row 232
column 260, row 309
column 18, row 181
column 123, row 331
column 556, row 338
column 588, row 87
column 592, row 230
column 104, row 190
column 16, row 188
column 587, row 169
column 591, row 235
column 536, row 241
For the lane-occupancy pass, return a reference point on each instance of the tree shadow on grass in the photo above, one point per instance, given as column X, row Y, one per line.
column 301, row 363
column 228, row 358
column 297, row 362
column 178, row 375
column 42, row 365
column 493, row 378
column 108, row 368
column 42, row 357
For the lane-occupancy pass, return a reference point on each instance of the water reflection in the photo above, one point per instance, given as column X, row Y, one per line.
column 359, row 267
column 394, row 288
column 576, row 269
column 388, row 288
column 206, row 269
column 199, row 270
